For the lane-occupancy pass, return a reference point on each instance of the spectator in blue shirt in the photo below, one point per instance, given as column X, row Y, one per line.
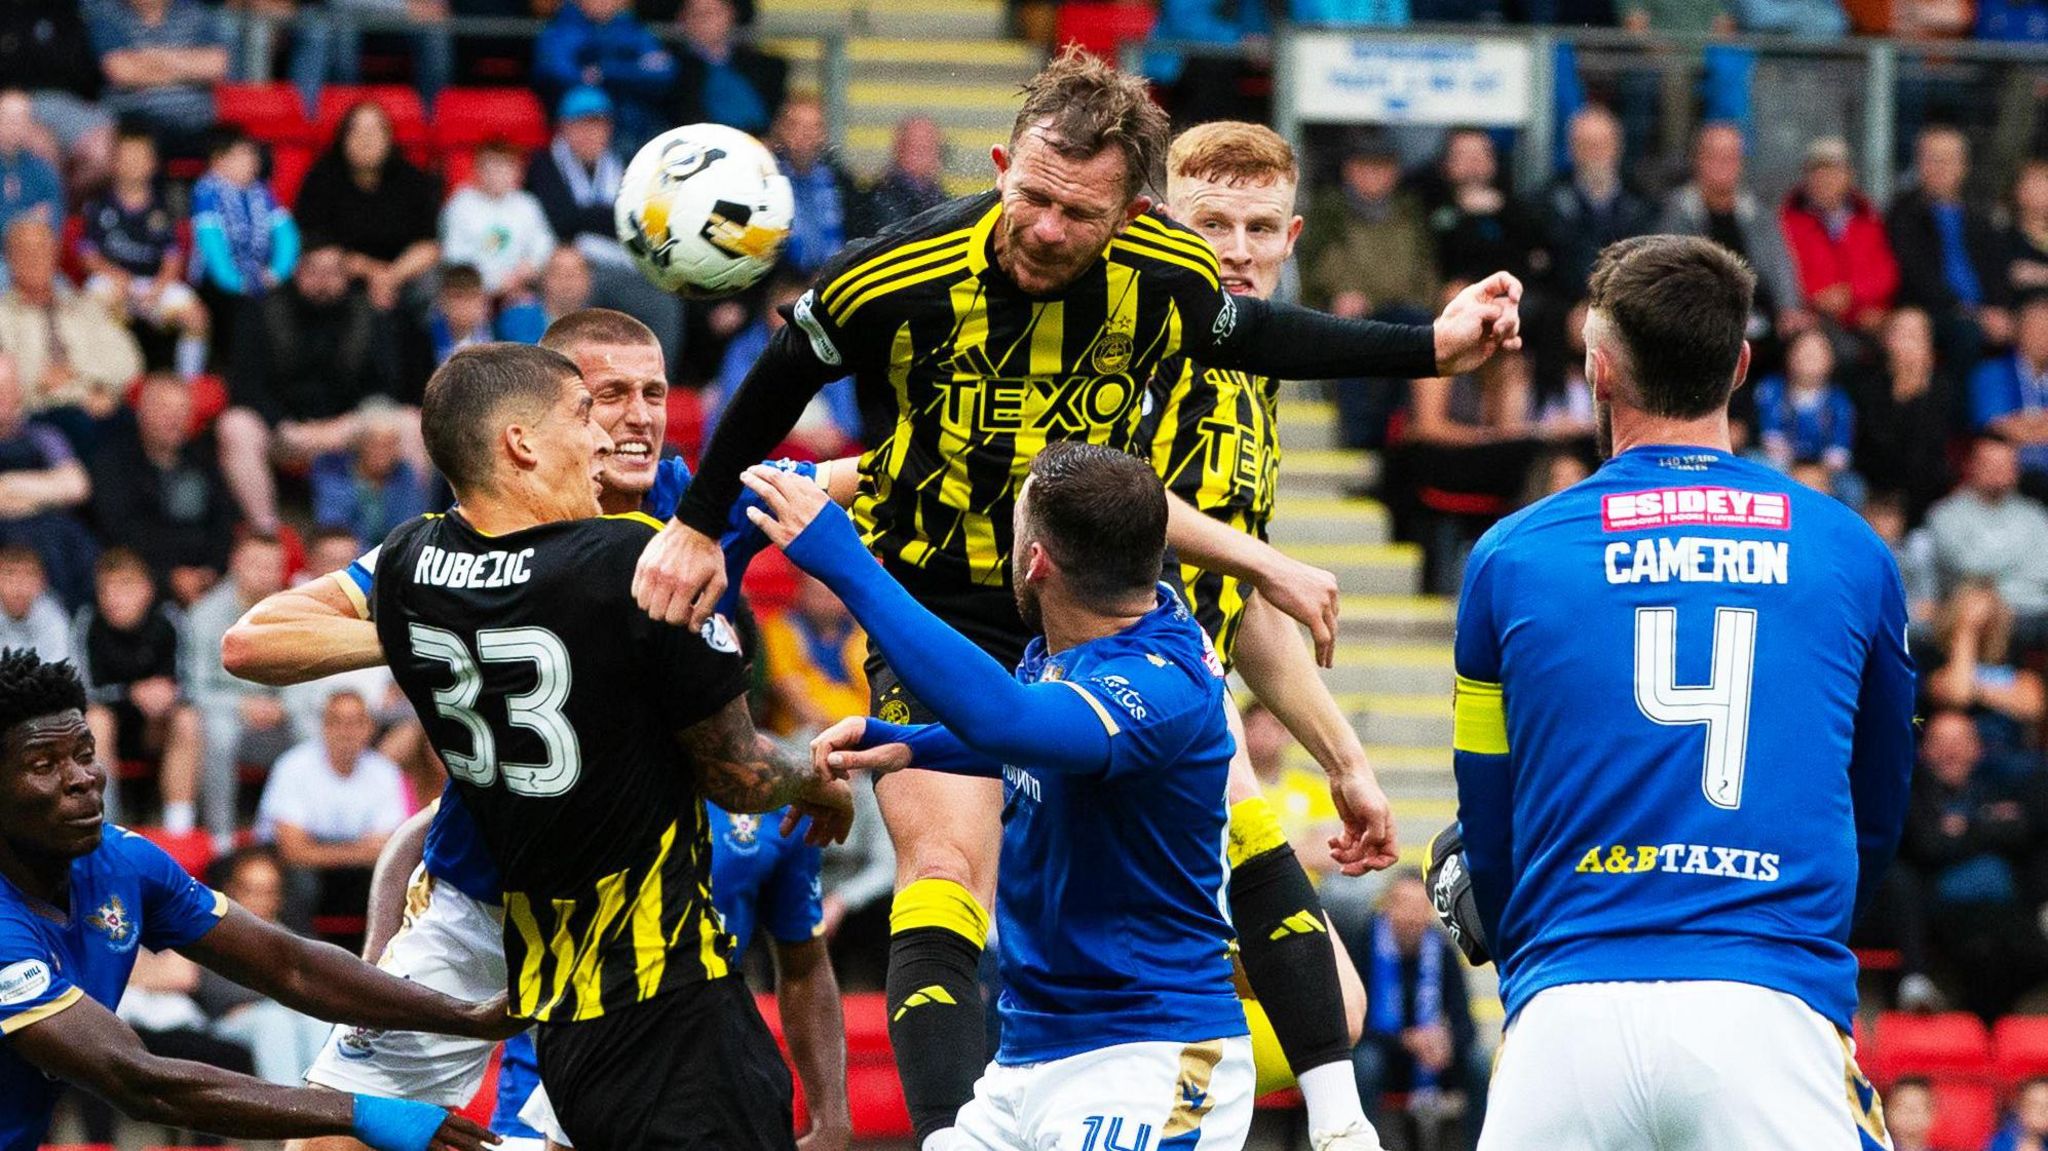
column 1804, row 417
column 244, row 242
column 372, row 488
column 2009, row 395
column 721, row 80
column 824, row 192
column 28, row 183
column 564, row 287
column 1957, row 253
column 161, row 59
column 600, row 43
column 1208, row 88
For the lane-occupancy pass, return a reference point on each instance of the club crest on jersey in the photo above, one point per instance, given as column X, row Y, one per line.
column 894, row 711
column 1112, row 353
column 719, row 634
column 112, row 920
column 744, row 834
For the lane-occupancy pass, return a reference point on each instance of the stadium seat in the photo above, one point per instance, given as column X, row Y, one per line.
column 1104, row 28
column 270, row 113
column 76, row 1147
column 191, row 850
column 1966, row 1114
column 874, row 1098
column 2019, row 1048
column 467, row 117
column 402, row 103
column 1954, row 1044
column 289, row 164
column 867, row 1026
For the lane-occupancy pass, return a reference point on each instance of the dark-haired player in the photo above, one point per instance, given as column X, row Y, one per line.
column 1120, row 1020
column 582, row 738
column 1684, row 736
column 76, row 901
column 976, row 334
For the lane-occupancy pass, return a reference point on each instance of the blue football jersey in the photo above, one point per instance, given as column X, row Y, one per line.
column 761, row 877
column 1109, row 898
column 1683, row 729
column 124, row 894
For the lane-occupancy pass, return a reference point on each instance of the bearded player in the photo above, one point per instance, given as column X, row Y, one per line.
column 976, row 334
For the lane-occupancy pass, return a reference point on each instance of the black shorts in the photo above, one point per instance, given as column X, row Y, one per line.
column 691, row 1068
column 986, row 616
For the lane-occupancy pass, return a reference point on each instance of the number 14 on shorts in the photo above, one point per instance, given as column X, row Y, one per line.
column 1106, row 1133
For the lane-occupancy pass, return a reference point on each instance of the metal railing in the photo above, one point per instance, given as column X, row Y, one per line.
column 1870, row 78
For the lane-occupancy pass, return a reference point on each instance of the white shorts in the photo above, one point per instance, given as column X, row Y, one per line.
column 1702, row 1066
column 1164, row 1096
column 539, row 1114
column 176, row 297
column 454, row 945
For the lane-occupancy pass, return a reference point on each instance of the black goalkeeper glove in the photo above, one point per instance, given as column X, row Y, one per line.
column 1450, row 892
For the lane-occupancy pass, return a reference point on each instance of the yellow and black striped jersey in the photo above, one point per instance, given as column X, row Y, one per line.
column 1214, row 438
column 963, row 377
column 555, row 702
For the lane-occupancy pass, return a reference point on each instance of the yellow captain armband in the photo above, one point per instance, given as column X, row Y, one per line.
column 1479, row 721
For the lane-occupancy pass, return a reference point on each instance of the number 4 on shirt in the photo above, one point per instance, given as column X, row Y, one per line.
column 1721, row 705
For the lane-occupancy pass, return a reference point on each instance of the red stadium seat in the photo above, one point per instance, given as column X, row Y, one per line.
column 192, row 850
column 466, row 117
column 271, row 113
column 2019, row 1048
column 289, row 164
column 1104, row 28
column 1965, row 1114
column 867, row 1026
column 686, row 421
column 401, row 102
column 77, row 1147
column 1954, row 1044
column 874, row 1097
column 69, row 237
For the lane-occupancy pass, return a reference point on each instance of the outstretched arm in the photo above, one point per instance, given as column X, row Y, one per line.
column 87, row 1045
column 302, row 634
column 1307, row 593
column 1277, row 339
column 323, row 981
column 741, row 770
column 1278, row 670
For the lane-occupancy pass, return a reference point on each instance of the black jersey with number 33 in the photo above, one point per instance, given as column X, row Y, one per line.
column 554, row 701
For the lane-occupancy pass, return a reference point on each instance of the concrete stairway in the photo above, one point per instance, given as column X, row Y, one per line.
column 948, row 59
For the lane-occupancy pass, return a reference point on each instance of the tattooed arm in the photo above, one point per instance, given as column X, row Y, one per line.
column 741, row 770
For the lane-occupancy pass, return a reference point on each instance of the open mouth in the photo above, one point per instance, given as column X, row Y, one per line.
column 1238, row 286
column 637, row 453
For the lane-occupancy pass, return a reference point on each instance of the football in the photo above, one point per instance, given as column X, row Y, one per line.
column 703, row 210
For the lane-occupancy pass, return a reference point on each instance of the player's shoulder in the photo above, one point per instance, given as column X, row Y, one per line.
column 929, row 245
column 1166, row 655
column 1157, row 242
column 124, row 854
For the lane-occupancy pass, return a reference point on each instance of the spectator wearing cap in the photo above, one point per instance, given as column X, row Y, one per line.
column 719, row 79
column 1717, row 203
column 564, row 288
column 362, row 194
column 915, row 181
column 29, row 185
column 1846, row 269
column 161, row 59
column 1956, row 250
column 134, row 258
column 41, row 483
column 497, row 227
column 74, row 357
column 2009, row 394
column 576, row 181
column 157, row 488
column 308, row 359
column 602, row 44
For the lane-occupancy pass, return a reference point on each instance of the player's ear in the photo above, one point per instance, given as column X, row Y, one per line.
column 1140, row 204
column 1293, row 233
column 1599, row 374
column 999, row 155
column 518, row 441
column 1037, row 563
column 1742, row 367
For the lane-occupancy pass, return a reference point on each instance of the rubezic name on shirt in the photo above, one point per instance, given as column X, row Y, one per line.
column 440, row 568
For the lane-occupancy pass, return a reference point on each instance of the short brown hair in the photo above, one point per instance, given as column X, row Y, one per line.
column 120, row 561
column 467, row 400
column 1232, row 152
column 596, row 326
column 1102, row 515
column 1680, row 305
column 1085, row 105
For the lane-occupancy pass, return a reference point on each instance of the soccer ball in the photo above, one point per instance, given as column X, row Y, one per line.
column 703, row 210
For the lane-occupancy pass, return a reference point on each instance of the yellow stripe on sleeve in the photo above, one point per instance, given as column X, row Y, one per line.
column 1159, row 233
column 639, row 517
column 1132, row 245
column 14, row 1023
column 852, row 279
column 1479, row 722
column 865, row 298
column 356, row 599
column 887, row 279
column 1101, row 712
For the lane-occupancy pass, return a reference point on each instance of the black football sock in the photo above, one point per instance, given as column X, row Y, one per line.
column 934, row 994
column 1284, row 943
